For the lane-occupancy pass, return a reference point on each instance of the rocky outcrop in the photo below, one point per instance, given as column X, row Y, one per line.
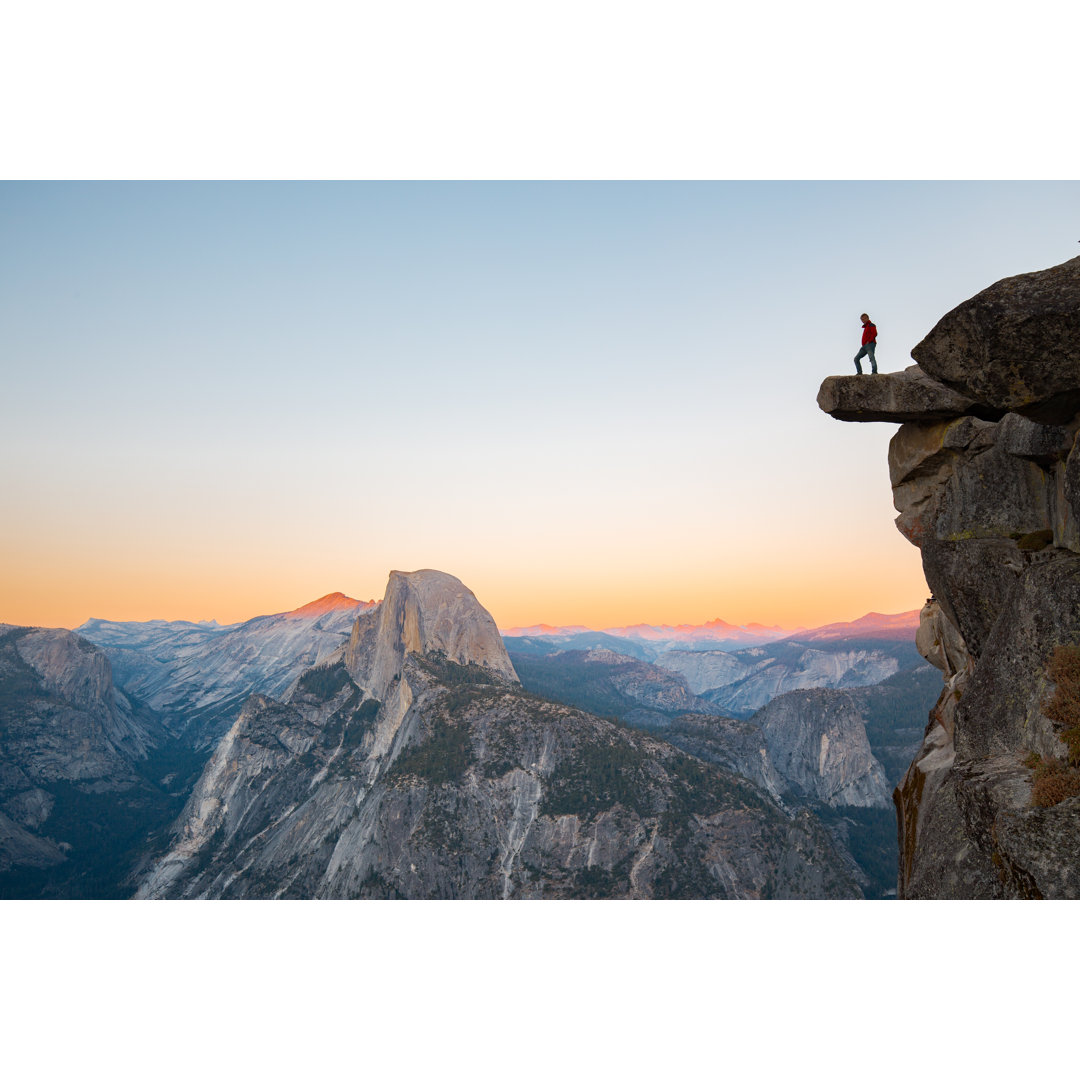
column 897, row 397
column 396, row 769
column 993, row 505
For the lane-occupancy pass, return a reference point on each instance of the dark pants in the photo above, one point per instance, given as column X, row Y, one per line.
column 866, row 350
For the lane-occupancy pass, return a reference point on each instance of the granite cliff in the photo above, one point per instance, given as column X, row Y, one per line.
column 411, row 763
column 985, row 470
column 823, row 752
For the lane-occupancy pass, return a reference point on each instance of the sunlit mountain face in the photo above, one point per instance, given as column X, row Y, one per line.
column 335, row 601
column 899, row 627
column 197, row 675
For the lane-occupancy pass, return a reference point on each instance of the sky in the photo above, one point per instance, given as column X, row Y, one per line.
column 593, row 402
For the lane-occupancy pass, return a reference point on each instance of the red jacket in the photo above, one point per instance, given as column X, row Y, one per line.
column 869, row 333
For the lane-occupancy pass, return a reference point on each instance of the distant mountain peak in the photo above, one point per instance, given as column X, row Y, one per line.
column 901, row 626
column 334, row 601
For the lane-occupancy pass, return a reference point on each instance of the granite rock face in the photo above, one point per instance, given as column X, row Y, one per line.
column 423, row 612
column 817, row 742
column 394, row 770
column 708, row 670
column 993, row 505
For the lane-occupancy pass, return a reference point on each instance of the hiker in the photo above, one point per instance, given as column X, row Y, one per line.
column 869, row 342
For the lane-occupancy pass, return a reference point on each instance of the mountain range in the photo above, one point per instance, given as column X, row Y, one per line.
column 411, row 764
column 716, row 634
column 197, row 675
column 711, row 634
column 739, row 681
column 334, row 704
column 407, row 749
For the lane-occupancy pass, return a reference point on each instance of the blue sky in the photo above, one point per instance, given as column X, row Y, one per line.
column 593, row 402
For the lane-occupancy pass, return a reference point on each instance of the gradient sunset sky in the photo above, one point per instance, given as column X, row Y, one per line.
column 592, row 402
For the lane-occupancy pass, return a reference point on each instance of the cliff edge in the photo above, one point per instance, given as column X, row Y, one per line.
column 985, row 471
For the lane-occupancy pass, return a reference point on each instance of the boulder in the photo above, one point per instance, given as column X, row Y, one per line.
column 1015, row 346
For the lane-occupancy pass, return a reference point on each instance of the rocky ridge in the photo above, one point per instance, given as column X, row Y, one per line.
column 987, row 485
column 197, row 675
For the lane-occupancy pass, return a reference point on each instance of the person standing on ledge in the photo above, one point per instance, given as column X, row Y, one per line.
column 869, row 343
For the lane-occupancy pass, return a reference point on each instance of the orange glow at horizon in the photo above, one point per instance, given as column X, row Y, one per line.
column 812, row 593
column 233, row 564
column 788, row 604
